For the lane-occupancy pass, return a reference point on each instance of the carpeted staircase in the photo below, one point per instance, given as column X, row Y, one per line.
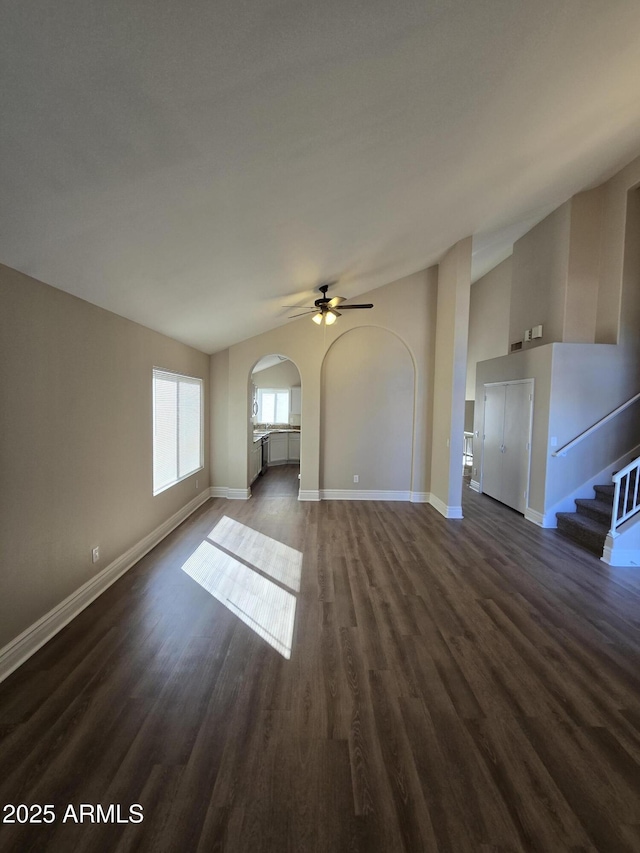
column 589, row 525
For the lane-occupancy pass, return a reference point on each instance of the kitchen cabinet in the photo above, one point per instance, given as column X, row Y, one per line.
column 255, row 460
column 278, row 447
column 294, row 446
column 284, row 447
column 296, row 400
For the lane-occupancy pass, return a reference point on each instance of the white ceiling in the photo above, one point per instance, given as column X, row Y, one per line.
column 195, row 166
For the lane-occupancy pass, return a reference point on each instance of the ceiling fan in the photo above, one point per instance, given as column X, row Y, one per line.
column 325, row 308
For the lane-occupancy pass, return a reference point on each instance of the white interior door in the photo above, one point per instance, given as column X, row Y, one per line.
column 516, row 447
column 494, row 405
column 506, row 448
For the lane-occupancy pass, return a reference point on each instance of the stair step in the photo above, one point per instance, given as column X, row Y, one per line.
column 605, row 493
column 583, row 530
column 599, row 511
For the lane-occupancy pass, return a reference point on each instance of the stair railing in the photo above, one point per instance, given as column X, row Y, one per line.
column 625, row 495
column 563, row 450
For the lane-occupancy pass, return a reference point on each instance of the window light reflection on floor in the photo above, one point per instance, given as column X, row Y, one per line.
column 279, row 561
column 264, row 606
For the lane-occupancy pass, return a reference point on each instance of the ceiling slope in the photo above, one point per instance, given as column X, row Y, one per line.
column 196, row 166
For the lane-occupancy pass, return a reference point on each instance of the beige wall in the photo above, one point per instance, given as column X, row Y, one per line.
column 557, row 273
column 618, row 299
column 219, row 397
column 405, row 307
column 583, row 269
column 539, row 279
column 76, row 451
column 452, row 329
column 368, row 386
column 489, row 307
column 630, row 301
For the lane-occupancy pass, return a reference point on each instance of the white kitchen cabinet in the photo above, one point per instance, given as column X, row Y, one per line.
column 278, row 447
column 294, row 446
column 256, row 460
column 296, row 400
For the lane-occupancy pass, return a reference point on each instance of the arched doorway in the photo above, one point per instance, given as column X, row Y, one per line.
column 275, row 406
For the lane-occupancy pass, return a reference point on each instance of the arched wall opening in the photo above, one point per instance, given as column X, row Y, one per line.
column 274, row 379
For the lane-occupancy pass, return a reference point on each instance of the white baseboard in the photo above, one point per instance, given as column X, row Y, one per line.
column 362, row 495
column 622, row 548
column 308, row 495
column 238, row 494
column 420, row 497
column 474, row 485
column 229, row 494
column 443, row 509
column 537, row 518
column 33, row 638
column 621, row 557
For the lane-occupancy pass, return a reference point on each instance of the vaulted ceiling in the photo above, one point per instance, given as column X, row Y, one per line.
column 195, row 166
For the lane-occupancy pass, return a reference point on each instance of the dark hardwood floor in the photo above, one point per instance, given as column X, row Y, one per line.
column 277, row 482
column 452, row 686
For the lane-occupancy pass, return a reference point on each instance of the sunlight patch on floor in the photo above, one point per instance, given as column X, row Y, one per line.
column 262, row 605
column 275, row 559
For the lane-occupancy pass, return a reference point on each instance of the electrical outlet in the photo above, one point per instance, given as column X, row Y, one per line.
column 95, row 554
column 356, row 478
column 196, row 484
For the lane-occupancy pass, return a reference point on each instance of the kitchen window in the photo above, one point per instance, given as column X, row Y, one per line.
column 177, row 428
column 273, row 405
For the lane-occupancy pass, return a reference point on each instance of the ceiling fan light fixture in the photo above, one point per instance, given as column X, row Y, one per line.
column 325, row 308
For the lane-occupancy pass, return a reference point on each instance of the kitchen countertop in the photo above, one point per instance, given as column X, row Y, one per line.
column 258, row 435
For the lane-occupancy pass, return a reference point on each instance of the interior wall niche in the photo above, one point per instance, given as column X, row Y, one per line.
column 367, row 413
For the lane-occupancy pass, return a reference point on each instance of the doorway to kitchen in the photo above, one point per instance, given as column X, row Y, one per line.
column 275, row 427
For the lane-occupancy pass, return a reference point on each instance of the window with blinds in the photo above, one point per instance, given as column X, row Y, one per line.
column 273, row 405
column 177, row 428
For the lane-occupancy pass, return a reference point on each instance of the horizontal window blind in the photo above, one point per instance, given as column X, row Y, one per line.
column 177, row 428
column 273, row 405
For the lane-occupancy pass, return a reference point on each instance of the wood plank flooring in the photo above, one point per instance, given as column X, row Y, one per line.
column 453, row 686
column 280, row 481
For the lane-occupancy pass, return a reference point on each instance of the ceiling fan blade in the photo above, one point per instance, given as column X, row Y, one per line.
column 333, row 311
column 368, row 305
column 335, row 301
column 308, row 311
